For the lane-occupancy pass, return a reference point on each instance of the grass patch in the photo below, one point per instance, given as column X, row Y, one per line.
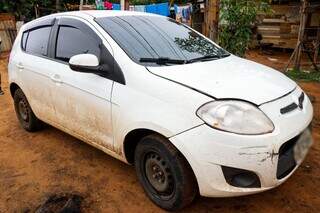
column 301, row 75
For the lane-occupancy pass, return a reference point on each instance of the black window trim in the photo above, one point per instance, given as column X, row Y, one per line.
column 49, row 22
column 54, row 47
column 62, row 21
column 21, row 43
column 116, row 75
column 39, row 24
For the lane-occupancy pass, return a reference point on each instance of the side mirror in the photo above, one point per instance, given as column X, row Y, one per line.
column 87, row 63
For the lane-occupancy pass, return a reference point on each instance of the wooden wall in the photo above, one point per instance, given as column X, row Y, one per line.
column 7, row 31
column 282, row 27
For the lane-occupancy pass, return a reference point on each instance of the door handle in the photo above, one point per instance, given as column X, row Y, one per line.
column 56, row 78
column 20, row 66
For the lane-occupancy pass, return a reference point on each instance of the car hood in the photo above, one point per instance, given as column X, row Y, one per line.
column 230, row 77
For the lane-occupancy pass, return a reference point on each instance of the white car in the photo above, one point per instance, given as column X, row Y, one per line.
column 152, row 92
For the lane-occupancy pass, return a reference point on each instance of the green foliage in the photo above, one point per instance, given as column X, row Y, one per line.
column 237, row 17
column 25, row 9
column 300, row 75
column 194, row 43
column 22, row 9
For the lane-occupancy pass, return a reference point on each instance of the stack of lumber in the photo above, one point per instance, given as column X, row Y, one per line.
column 281, row 27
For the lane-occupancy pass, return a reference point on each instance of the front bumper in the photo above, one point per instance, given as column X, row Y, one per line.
column 207, row 150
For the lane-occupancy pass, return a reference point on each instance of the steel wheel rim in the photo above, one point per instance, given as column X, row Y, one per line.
column 23, row 110
column 158, row 174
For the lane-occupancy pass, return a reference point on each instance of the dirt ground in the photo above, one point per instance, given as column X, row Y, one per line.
column 34, row 166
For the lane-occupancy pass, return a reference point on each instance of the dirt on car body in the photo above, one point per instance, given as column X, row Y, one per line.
column 35, row 166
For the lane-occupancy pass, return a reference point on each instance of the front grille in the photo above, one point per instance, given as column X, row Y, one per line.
column 286, row 162
column 293, row 106
column 288, row 108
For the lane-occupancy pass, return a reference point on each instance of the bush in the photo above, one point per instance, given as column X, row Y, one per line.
column 24, row 10
column 301, row 75
column 237, row 17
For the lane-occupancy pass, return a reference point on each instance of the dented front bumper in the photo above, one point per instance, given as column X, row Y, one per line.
column 208, row 150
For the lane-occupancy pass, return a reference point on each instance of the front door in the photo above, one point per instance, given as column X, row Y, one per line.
column 82, row 100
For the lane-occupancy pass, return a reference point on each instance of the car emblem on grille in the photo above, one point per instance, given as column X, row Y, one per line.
column 293, row 105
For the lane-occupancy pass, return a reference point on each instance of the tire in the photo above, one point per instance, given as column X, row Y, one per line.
column 25, row 115
column 164, row 173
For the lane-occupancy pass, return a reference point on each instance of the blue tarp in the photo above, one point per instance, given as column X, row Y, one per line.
column 116, row 7
column 175, row 8
column 160, row 9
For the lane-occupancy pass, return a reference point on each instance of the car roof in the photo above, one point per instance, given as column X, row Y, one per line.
column 106, row 13
column 101, row 13
column 90, row 14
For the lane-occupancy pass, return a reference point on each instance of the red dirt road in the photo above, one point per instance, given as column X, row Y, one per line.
column 36, row 165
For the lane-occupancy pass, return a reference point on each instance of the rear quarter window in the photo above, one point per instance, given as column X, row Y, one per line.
column 24, row 40
column 37, row 41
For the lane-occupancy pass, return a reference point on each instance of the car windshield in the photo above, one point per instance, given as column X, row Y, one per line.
column 152, row 39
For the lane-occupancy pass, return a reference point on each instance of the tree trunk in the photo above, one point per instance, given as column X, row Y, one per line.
column 301, row 35
column 211, row 19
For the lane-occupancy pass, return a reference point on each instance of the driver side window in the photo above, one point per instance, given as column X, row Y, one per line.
column 72, row 41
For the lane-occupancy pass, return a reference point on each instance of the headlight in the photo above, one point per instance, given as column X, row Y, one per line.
column 235, row 116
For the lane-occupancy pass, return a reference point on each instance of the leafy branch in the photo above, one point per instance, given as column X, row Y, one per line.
column 237, row 18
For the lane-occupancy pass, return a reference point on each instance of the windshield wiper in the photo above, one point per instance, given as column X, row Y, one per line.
column 162, row 60
column 225, row 54
column 203, row 58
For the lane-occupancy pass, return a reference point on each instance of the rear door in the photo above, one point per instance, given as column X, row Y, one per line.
column 34, row 68
column 82, row 100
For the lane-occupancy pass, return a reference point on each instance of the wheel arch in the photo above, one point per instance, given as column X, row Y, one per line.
column 132, row 139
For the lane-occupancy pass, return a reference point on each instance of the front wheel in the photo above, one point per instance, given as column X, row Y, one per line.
column 164, row 173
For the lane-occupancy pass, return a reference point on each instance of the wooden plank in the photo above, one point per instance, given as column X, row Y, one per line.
column 273, row 20
column 269, row 28
column 6, row 17
column 6, row 41
column 285, row 27
column 282, row 43
column 7, row 30
column 279, row 36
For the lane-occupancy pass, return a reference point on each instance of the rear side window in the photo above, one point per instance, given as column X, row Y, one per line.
column 24, row 40
column 37, row 41
column 72, row 41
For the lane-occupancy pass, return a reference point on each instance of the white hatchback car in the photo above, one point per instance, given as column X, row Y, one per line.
column 151, row 92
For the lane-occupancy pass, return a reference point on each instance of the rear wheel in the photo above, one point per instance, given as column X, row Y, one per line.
column 25, row 115
column 164, row 173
